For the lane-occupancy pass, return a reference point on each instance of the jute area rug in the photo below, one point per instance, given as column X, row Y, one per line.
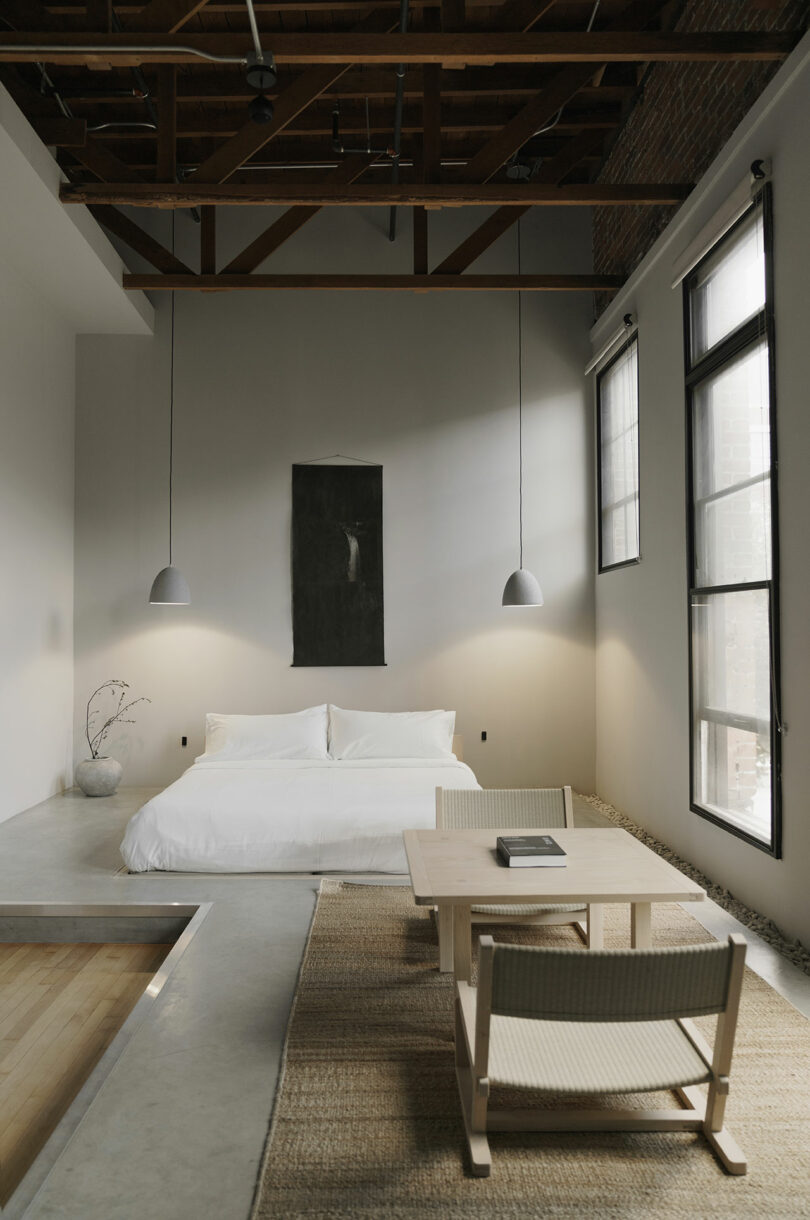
column 367, row 1121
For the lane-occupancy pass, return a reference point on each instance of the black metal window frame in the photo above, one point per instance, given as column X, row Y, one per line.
column 603, row 371
column 746, row 336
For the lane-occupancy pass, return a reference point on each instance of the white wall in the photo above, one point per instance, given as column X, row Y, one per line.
column 426, row 385
column 641, row 658
column 58, row 275
column 36, row 547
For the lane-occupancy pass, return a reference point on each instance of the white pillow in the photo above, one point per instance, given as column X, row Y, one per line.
column 390, row 734
column 290, row 735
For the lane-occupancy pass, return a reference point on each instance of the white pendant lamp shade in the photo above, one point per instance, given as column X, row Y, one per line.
column 170, row 588
column 522, row 589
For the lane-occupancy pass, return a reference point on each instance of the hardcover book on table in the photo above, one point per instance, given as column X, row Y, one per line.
column 530, row 851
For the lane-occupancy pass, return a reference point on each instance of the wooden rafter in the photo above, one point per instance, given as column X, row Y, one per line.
column 230, row 87
column 163, row 16
column 105, row 165
column 253, row 136
column 551, row 172
column 140, row 241
column 367, row 48
column 167, row 124
column 376, row 283
column 185, row 195
column 521, row 14
column 292, row 220
column 208, row 241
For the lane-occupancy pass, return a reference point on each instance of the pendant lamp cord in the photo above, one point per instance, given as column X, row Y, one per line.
column 171, row 411
column 520, row 397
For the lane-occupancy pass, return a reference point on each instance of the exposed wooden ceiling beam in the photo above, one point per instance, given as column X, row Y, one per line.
column 106, row 166
column 317, row 122
column 376, row 84
column 187, row 194
column 163, row 16
column 292, row 220
column 521, row 14
column 167, row 123
column 140, row 241
column 236, row 8
column 520, row 129
column 551, row 172
column 366, row 48
column 376, row 283
column 253, row 136
column 61, row 133
column 208, row 241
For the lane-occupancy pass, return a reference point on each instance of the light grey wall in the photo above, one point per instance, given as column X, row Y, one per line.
column 425, row 384
column 641, row 654
column 36, row 547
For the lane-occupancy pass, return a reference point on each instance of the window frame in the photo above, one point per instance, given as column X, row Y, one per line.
column 601, row 373
column 722, row 355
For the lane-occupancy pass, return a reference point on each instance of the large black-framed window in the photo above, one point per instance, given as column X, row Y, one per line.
column 617, row 463
column 735, row 756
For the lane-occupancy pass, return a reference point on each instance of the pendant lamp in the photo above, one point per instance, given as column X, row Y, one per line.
column 170, row 587
column 522, row 588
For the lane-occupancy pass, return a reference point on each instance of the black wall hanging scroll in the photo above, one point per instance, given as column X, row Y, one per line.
column 337, row 565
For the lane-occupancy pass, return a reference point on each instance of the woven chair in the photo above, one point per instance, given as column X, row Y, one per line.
column 512, row 809
column 564, row 1022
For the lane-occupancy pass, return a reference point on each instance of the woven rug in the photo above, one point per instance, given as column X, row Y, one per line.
column 367, row 1121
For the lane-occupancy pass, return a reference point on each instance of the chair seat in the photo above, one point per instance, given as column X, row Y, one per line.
column 592, row 1057
column 558, row 908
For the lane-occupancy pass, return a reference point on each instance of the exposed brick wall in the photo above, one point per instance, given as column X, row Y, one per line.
column 684, row 115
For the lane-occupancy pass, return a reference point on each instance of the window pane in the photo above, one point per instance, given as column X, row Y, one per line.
column 618, row 457
column 731, row 695
column 730, row 287
column 733, row 537
column 731, row 464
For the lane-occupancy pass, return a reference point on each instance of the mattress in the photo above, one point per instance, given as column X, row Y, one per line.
column 290, row 815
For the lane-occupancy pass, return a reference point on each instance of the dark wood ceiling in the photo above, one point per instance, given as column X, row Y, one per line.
column 517, row 96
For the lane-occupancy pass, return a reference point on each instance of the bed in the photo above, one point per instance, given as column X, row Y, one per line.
column 335, row 794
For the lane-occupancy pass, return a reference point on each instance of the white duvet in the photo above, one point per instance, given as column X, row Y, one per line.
column 290, row 815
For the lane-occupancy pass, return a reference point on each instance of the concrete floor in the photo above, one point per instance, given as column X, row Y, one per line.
column 176, row 1131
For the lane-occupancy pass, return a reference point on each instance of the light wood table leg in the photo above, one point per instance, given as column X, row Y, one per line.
column 462, row 943
column 596, row 926
column 444, row 921
column 641, row 925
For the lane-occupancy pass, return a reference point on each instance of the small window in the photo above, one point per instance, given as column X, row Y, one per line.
column 617, row 428
column 733, row 594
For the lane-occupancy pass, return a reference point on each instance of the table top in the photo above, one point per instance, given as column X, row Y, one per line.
column 604, row 865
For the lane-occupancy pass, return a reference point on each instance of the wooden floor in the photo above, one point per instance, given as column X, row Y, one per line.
column 60, row 1007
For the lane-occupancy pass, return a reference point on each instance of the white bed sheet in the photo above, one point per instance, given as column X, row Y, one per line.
column 290, row 815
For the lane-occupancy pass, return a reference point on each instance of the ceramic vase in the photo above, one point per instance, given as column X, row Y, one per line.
column 99, row 776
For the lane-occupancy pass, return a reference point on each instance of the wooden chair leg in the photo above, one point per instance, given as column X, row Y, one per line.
column 473, row 1105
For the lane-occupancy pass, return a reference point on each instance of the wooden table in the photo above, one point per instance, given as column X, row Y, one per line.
column 456, row 869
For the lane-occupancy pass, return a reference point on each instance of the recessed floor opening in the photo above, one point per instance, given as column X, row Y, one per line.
column 70, row 978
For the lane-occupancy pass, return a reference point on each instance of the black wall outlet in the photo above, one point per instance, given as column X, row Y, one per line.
column 183, row 741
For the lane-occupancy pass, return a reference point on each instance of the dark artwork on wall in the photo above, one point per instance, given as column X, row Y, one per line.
column 337, row 565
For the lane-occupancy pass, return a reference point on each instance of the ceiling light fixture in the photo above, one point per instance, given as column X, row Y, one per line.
column 170, row 587
column 522, row 588
column 261, row 74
